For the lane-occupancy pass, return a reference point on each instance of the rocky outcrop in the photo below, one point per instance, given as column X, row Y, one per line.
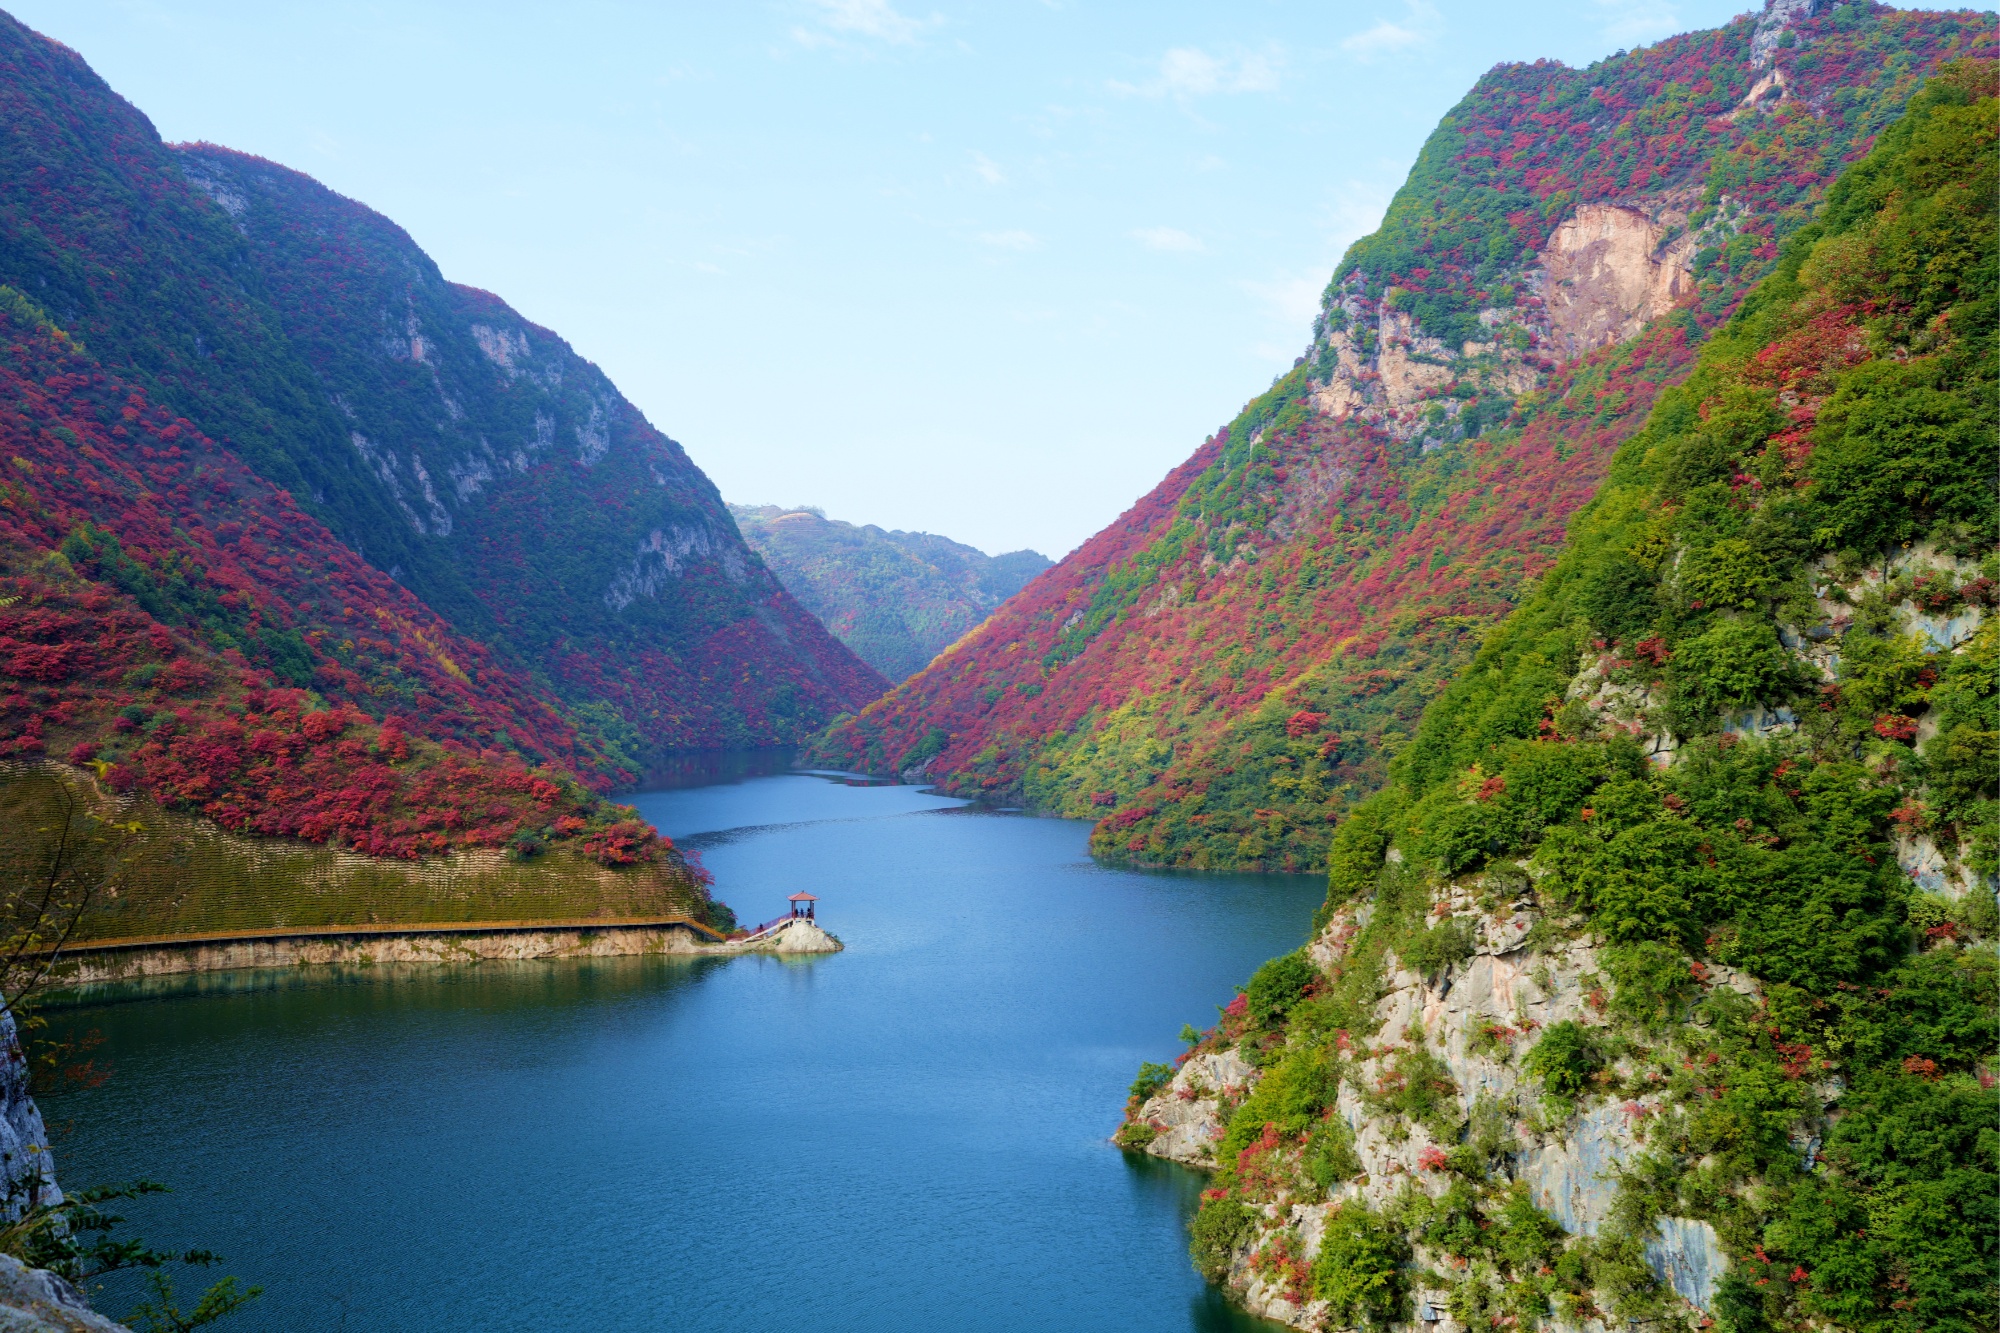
column 1607, row 270
column 1476, row 1018
column 1610, row 269
column 1385, row 369
column 796, row 937
column 27, row 1167
column 1191, row 1113
column 1772, row 25
column 32, row 1300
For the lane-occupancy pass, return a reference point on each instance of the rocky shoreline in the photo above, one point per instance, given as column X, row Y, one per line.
column 459, row 945
column 32, row 1300
column 1506, row 986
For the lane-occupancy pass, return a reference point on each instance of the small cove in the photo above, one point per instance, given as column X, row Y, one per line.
column 907, row 1135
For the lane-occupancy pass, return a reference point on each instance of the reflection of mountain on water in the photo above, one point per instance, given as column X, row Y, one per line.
column 705, row 768
column 347, row 989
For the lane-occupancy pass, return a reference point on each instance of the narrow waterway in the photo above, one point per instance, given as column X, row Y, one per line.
column 909, row 1135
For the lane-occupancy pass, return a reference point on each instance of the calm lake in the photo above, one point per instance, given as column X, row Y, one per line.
column 911, row 1134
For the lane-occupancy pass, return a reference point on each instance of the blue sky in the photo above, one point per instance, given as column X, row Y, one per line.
column 983, row 268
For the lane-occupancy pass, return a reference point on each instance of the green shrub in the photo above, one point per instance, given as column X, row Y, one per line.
column 1735, row 662
column 1429, row 952
column 1135, row 1135
column 925, row 750
column 1730, row 573
column 1151, row 1079
column 1359, row 1270
column 1651, row 983
column 1330, row 1157
column 1217, row 1232
column 1355, row 858
column 1565, row 1059
column 1963, row 765
column 1903, row 446
column 1452, row 1223
column 1450, row 832
column 1417, row 1086
column 1291, row 1095
column 1621, row 598
column 1278, row 985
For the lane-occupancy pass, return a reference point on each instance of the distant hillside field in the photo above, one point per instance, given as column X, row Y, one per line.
column 897, row 599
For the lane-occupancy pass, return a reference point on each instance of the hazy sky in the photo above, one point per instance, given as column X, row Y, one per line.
column 983, row 268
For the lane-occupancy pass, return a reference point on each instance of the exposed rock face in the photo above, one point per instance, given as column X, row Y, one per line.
column 1384, row 368
column 32, row 1300
column 27, row 1167
column 1611, row 268
column 1477, row 1017
column 1607, row 270
column 1774, row 22
column 534, row 493
column 1190, row 1111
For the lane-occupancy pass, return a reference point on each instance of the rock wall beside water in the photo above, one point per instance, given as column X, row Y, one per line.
column 32, row 1300
column 27, row 1167
column 1477, row 1017
column 802, row 937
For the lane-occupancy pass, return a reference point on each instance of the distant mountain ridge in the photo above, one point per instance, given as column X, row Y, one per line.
column 1220, row 674
column 896, row 598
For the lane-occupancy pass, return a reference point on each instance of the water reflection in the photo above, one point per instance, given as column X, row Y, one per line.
column 706, row 768
column 908, row 1135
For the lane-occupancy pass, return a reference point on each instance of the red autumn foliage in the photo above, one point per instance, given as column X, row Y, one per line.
column 1298, row 565
column 1896, row 727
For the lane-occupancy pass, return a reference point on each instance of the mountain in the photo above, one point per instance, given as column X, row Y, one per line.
column 897, row 599
column 1657, row 985
column 462, row 450
column 304, row 541
column 163, row 610
column 1222, row 673
column 307, row 551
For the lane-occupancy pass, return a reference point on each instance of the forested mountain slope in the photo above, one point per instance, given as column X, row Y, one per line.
column 177, row 624
column 896, row 598
column 1223, row 672
column 466, row 453
column 1658, row 984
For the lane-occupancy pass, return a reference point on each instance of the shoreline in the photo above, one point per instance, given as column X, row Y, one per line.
column 109, row 961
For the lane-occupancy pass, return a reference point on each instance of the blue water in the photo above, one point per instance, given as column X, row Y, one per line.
column 909, row 1135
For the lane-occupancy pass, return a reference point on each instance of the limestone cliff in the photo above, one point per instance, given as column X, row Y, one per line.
column 32, row 1300
column 1657, row 986
column 1497, row 964
column 1607, row 271
column 1466, row 1029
